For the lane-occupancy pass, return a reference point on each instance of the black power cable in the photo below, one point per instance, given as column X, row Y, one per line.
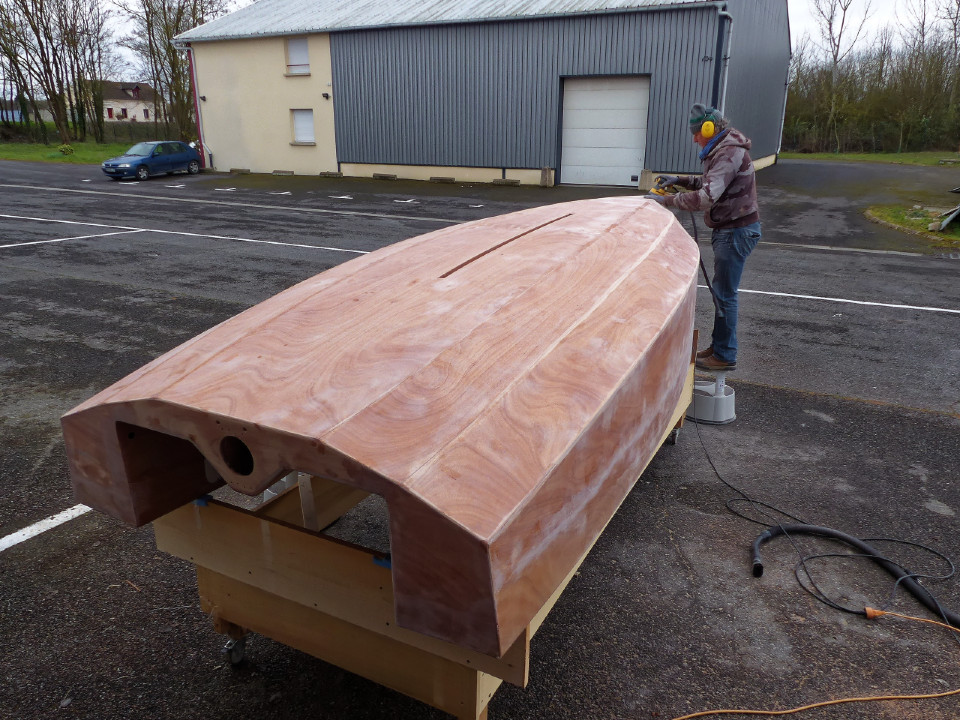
column 777, row 528
column 907, row 579
column 903, row 577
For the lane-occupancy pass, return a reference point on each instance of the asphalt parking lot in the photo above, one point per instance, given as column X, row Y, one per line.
column 848, row 404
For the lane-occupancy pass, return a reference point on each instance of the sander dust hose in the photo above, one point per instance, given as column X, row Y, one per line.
column 902, row 576
column 716, row 301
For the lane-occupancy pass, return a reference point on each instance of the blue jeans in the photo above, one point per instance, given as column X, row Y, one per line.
column 730, row 250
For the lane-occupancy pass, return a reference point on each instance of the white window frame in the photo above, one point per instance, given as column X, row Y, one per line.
column 303, row 129
column 298, row 56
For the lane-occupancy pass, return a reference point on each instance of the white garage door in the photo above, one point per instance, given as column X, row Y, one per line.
column 604, row 130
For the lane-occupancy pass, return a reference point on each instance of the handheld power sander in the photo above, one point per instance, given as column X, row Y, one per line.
column 662, row 187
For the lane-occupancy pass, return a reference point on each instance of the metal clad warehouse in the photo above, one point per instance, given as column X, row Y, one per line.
column 535, row 91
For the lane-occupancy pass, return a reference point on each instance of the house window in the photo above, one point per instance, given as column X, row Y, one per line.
column 110, row 113
column 302, row 127
column 146, row 114
column 123, row 113
column 298, row 58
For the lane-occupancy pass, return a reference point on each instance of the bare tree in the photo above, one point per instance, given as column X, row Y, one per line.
column 915, row 30
column 835, row 21
column 18, row 90
column 50, row 47
column 156, row 23
column 890, row 95
column 949, row 14
column 97, row 62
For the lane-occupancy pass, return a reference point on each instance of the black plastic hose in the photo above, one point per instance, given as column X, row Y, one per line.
column 903, row 577
column 703, row 269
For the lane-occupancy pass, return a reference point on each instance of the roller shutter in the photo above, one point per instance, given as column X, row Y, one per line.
column 604, row 130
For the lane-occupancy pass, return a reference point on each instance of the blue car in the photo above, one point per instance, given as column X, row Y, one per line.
column 153, row 158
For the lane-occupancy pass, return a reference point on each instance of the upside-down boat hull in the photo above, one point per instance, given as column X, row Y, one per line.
column 501, row 384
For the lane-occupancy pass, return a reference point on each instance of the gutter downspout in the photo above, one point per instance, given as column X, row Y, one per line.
column 722, row 67
column 786, row 90
column 783, row 115
column 196, row 105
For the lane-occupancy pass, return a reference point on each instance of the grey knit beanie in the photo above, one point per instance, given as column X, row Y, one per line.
column 700, row 113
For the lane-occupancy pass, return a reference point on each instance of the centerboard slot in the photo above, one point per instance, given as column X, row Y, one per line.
column 499, row 245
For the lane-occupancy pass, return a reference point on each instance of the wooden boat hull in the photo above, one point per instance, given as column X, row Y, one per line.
column 501, row 384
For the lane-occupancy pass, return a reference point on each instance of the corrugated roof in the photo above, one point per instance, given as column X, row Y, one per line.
column 292, row 17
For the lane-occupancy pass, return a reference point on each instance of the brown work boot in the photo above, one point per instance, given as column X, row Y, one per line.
column 712, row 363
column 705, row 353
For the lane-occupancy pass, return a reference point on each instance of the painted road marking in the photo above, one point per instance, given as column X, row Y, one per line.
column 39, row 527
column 836, row 248
column 76, row 237
column 124, row 229
column 68, row 222
column 227, row 203
column 893, row 306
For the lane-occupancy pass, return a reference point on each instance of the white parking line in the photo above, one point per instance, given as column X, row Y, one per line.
column 124, row 228
column 837, row 248
column 263, row 242
column 76, row 237
column 894, row 306
column 226, row 203
column 68, row 222
column 39, row 527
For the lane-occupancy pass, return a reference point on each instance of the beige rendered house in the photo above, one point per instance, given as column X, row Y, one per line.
column 266, row 104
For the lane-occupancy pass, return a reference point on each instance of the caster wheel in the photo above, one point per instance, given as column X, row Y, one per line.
column 235, row 650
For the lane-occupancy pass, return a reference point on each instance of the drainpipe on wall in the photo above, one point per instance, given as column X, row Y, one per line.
column 722, row 66
column 196, row 107
column 783, row 114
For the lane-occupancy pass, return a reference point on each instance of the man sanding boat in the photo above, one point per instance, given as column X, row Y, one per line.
column 727, row 192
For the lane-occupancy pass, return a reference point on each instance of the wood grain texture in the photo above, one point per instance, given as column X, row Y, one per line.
column 502, row 384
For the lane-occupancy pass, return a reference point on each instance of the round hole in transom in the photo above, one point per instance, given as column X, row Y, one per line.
column 236, row 455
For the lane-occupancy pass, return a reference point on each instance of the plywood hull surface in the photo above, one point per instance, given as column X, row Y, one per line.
column 500, row 383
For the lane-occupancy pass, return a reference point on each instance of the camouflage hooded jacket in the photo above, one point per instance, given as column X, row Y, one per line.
column 727, row 190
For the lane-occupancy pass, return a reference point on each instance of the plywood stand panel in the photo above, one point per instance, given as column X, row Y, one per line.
column 264, row 571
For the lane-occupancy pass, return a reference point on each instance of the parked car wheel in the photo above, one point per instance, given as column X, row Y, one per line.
column 142, row 172
column 193, row 167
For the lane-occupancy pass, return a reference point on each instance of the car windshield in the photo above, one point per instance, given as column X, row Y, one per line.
column 143, row 149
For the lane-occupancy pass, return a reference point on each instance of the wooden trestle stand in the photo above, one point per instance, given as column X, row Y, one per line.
column 273, row 572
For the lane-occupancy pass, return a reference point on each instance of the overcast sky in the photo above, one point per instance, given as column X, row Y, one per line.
column 882, row 12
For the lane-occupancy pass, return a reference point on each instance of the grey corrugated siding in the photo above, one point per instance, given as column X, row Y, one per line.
column 757, row 77
column 488, row 95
